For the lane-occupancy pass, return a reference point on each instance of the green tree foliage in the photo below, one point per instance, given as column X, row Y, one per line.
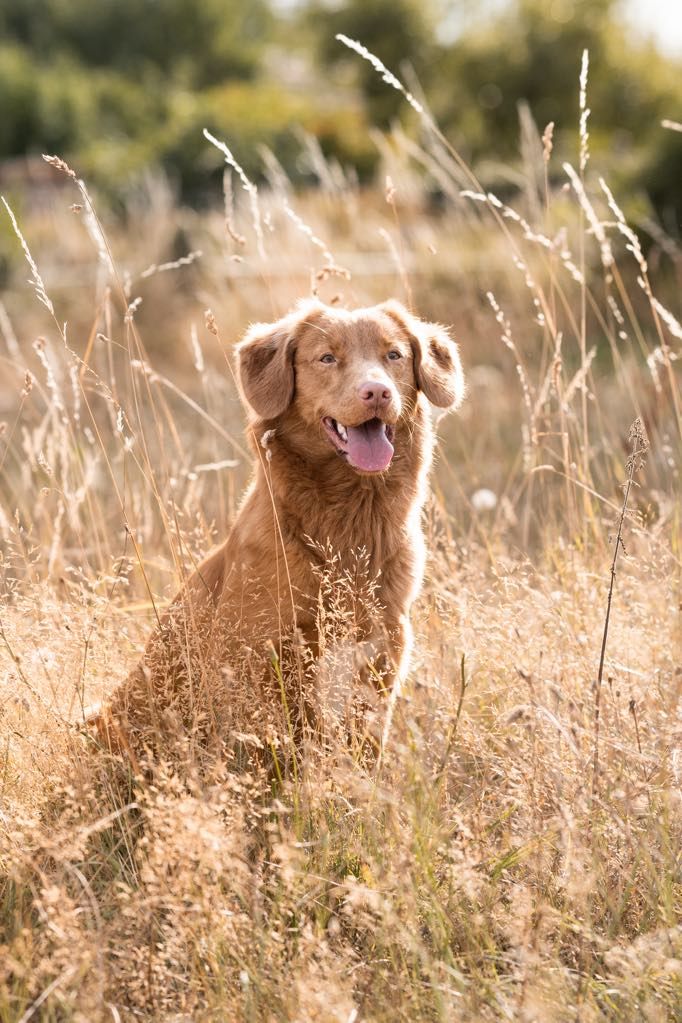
column 63, row 106
column 395, row 30
column 193, row 41
column 116, row 85
column 533, row 52
column 529, row 52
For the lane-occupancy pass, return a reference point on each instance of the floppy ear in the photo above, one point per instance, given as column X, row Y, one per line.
column 437, row 367
column 265, row 362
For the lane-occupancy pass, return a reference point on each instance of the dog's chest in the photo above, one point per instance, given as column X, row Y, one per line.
column 360, row 546
column 369, row 520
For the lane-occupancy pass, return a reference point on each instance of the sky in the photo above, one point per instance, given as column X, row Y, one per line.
column 657, row 19
column 661, row 19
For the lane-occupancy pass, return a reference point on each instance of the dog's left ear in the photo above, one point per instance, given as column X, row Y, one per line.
column 437, row 367
column 265, row 361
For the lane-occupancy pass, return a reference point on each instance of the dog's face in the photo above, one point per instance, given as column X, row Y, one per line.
column 351, row 379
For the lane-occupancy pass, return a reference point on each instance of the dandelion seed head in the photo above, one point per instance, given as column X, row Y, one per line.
column 484, row 500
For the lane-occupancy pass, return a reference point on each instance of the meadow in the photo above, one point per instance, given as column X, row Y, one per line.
column 514, row 854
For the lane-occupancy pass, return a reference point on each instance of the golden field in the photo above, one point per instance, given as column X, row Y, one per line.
column 513, row 854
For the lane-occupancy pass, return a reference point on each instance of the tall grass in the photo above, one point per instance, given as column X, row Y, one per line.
column 475, row 872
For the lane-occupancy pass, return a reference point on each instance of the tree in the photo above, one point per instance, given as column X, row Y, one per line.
column 196, row 41
column 396, row 31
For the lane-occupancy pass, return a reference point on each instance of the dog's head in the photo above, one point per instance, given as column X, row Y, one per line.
column 350, row 378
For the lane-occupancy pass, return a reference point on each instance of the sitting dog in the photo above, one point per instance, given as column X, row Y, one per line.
column 343, row 439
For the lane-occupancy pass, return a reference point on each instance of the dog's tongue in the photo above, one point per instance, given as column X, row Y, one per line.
column 368, row 446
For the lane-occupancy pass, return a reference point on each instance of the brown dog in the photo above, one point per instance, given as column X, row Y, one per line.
column 343, row 443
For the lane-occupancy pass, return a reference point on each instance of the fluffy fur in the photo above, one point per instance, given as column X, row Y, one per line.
column 255, row 602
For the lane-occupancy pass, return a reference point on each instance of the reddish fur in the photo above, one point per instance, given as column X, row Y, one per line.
column 262, row 584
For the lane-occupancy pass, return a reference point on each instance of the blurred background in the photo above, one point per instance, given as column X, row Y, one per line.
column 123, row 87
column 336, row 185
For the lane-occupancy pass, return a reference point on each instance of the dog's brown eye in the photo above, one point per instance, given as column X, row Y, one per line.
column 394, row 354
column 327, row 358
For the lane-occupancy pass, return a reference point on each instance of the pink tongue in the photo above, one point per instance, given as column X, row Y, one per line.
column 368, row 446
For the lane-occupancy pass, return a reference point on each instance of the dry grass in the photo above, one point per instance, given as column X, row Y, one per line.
column 476, row 873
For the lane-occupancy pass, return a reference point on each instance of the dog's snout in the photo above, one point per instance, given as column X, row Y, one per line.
column 375, row 393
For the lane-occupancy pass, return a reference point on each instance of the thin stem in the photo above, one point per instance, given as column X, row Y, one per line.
column 453, row 729
column 639, row 446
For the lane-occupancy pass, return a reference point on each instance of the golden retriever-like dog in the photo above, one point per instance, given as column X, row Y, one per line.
column 342, row 435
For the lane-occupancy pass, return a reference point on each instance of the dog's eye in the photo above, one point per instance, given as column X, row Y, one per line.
column 394, row 354
column 327, row 358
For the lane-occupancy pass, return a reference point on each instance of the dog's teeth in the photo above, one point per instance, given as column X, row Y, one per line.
column 342, row 432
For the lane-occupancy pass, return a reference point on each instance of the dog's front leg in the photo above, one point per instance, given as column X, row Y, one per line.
column 387, row 654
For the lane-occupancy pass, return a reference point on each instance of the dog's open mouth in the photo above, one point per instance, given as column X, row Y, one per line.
column 368, row 447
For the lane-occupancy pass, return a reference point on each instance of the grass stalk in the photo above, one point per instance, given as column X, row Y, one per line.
column 635, row 462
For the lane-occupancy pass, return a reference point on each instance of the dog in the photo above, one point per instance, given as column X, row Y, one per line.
column 342, row 436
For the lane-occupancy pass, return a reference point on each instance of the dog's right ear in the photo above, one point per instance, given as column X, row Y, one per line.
column 265, row 361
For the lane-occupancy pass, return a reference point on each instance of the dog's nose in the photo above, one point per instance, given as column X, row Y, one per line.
column 374, row 393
